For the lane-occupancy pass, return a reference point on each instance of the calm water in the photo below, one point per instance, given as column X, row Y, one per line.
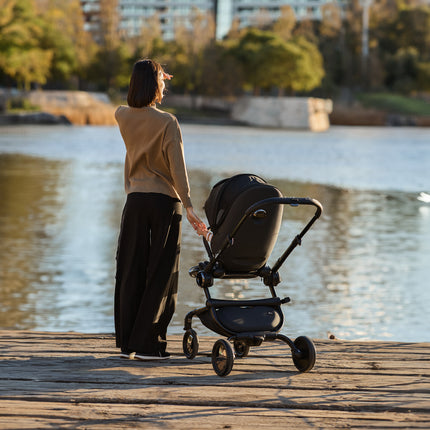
column 361, row 273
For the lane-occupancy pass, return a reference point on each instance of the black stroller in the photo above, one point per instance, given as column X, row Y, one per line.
column 245, row 214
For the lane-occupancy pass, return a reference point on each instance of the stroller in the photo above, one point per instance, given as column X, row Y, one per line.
column 245, row 213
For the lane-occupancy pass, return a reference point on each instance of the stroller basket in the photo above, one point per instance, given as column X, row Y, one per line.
column 245, row 215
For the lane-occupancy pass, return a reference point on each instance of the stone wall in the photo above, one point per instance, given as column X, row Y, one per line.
column 279, row 112
column 284, row 112
column 79, row 107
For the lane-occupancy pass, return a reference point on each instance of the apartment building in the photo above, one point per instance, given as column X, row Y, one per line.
column 170, row 13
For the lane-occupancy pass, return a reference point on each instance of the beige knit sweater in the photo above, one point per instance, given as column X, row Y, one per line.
column 154, row 161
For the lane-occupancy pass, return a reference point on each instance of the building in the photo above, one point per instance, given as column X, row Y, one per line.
column 170, row 13
column 133, row 14
column 91, row 11
column 249, row 12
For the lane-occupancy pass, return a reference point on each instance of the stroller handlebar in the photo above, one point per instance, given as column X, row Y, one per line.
column 292, row 201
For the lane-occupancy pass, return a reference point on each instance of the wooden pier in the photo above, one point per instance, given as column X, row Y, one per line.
column 78, row 381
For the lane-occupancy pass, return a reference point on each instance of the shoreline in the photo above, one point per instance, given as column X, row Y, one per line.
column 365, row 118
column 295, row 113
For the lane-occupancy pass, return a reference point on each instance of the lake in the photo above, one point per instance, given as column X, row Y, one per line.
column 361, row 272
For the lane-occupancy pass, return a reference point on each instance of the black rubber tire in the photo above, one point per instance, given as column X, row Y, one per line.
column 305, row 362
column 190, row 344
column 222, row 357
column 241, row 349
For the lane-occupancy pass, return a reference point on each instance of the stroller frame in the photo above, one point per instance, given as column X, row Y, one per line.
column 302, row 348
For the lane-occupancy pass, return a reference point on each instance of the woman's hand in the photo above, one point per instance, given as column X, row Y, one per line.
column 198, row 225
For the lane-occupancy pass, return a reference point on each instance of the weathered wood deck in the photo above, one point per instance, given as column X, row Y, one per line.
column 70, row 380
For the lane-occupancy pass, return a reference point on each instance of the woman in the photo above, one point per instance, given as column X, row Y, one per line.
column 156, row 183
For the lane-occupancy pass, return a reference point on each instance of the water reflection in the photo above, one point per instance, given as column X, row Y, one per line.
column 57, row 231
column 360, row 272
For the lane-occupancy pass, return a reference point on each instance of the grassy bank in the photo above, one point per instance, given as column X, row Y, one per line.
column 394, row 103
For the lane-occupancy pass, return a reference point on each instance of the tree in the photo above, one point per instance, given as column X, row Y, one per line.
column 284, row 26
column 270, row 62
column 110, row 65
column 352, row 53
column 188, row 50
column 64, row 34
column 222, row 73
column 21, row 56
column 261, row 19
column 309, row 67
column 331, row 21
column 423, row 76
column 305, row 28
column 331, row 38
column 150, row 36
column 400, row 38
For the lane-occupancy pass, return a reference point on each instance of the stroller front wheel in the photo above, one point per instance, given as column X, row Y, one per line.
column 241, row 349
column 222, row 357
column 190, row 344
column 305, row 359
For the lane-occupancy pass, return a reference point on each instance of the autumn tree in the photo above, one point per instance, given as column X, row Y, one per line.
column 285, row 24
column 63, row 33
column 150, row 38
column 261, row 19
column 188, row 50
column 110, row 66
column 21, row 55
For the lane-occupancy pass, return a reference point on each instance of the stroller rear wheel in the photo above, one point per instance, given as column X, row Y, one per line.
column 241, row 349
column 305, row 359
column 222, row 357
column 190, row 344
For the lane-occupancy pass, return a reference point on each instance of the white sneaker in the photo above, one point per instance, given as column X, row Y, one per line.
column 147, row 357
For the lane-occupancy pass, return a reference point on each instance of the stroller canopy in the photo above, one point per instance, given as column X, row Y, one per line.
column 226, row 205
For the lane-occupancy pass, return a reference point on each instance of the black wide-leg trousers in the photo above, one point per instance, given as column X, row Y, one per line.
column 147, row 271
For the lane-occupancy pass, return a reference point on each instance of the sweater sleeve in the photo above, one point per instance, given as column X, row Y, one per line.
column 174, row 150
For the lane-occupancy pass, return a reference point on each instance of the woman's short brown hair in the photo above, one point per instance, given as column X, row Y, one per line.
column 144, row 89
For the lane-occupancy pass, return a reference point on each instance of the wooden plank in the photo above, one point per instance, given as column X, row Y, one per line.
column 72, row 379
column 102, row 415
column 216, row 395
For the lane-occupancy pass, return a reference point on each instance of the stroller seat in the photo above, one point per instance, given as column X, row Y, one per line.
column 256, row 238
column 245, row 215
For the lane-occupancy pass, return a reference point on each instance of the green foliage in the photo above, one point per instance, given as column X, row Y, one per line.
column 47, row 44
column 21, row 56
column 400, row 37
column 268, row 61
column 402, row 69
column 423, row 75
column 17, row 104
column 110, row 67
column 395, row 103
